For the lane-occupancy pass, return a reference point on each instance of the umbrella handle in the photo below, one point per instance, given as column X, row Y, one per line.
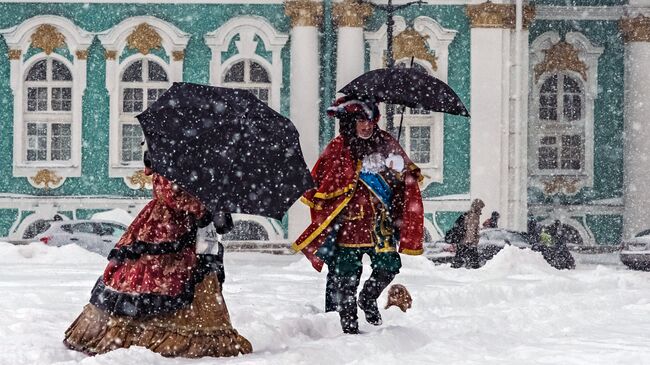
column 401, row 119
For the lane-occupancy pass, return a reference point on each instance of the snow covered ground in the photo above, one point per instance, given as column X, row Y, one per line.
column 515, row 310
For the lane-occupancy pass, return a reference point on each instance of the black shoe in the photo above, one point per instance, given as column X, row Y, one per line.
column 369, row 307
column 351, row 330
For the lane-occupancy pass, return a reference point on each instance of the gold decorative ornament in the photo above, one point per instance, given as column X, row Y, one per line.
column 410, row 43
column 561, row 184
column 560, row 57
column 110, row 55
column 82, row 54
column 304, row 13
column 47, row 38
column 178, row 55
column 139, row 178
column 635, row 29
column 14, row 54
column 351, row 13
column 491, row 15
column 144, row 38
column 46, row 178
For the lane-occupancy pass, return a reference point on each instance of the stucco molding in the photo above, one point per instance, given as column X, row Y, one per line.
column 304, row 13
column 351, row 13
column 584, row 66
column 53, row 29
column 491, row 15
column 143, row 33
column 635, row 29
column 248, row 27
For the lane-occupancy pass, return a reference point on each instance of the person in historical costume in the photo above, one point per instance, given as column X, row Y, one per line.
column 367, row 201
column 156, row 291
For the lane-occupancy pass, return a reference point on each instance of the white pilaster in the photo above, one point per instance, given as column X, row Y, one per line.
column 305, row 93
column 349, row 55
column 635, row 138
column 490, row 120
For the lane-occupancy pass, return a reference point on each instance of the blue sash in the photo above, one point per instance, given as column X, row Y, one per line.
column 378, row 186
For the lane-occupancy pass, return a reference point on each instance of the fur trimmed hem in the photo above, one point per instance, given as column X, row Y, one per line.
column 202, row 329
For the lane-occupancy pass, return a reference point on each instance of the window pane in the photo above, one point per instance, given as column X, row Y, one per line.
column 132, row 100
column 60, row 72
column 156, row 72
column 572, row 107
column 571, row 85
column 36, row 99
column 61, row 98
column 36, row 141
column 547, row 158
column 420, row 144
column 153, row 95
column 235, row 73
column 38, row 72
column 550, row 85
column 61, row 141
column 258, row 73
column 133, row 72
column 131, row 138
column 571, row 152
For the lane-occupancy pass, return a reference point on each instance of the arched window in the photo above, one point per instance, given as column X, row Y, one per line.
column 561, row 128
column 250, row 75
column 47, row 112
column 142, row 83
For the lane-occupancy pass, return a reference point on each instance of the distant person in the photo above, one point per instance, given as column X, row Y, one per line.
column 553, row 246
column 467, row 248
column 493, row 221
column 57, row 218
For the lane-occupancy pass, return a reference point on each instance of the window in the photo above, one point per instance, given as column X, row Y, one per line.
column 561, row 126
column 246, row 231
column 249, row 75
column 417, row 130
column 142, row 83
column 48, row 112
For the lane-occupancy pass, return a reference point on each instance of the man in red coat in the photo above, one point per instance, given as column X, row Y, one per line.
column 367, row 201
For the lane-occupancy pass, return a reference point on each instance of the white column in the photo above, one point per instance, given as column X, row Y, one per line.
column 489, row 122
column 305, row 93
column 637, row 129
column 349, row 55
column 498, row 133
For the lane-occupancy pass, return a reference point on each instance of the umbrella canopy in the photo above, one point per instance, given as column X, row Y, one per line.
column 227, row 148
column 406, row 86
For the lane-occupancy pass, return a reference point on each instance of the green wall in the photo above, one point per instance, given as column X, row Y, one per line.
column 195, row 19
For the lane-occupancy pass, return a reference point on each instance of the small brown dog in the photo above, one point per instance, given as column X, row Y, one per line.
column 399, row 296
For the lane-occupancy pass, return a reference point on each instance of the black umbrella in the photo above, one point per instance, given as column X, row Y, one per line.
column 406, row 86
column 227, row 148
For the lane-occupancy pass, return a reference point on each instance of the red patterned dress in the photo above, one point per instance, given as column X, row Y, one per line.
column 156, row 292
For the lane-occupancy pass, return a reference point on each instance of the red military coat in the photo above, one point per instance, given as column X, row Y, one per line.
column 336, row 175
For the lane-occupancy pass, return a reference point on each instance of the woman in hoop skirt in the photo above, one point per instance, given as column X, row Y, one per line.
column 156, row 292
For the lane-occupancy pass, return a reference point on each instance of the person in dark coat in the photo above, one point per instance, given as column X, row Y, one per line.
column 467, row 249
column 493, row 221
column 554, row 248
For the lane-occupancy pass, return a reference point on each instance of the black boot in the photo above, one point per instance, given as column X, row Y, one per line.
column 372, row 288
column 348, row 303
column 331, row 293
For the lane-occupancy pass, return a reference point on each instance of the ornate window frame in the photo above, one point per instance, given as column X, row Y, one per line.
column 581, row 64
column 247, row 27
column 143, row 33
column 49, row 32
column 437, row 41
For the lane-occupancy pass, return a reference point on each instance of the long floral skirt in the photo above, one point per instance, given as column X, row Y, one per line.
column 201, row 329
